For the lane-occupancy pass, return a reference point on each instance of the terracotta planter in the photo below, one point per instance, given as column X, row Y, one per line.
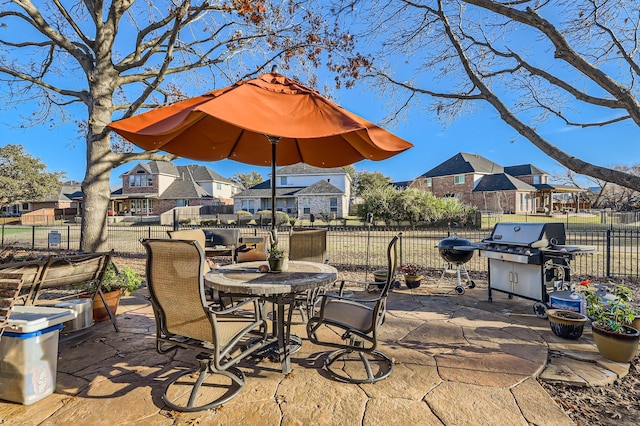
column 99, row 311
column 566, row 324
column 412, row 281
column 619, row 347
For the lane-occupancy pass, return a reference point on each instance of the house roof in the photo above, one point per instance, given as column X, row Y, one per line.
column 551, row 187
column 464, row 163
column 263, row 190
column 524, row 170
column 184, row 187
column 502, row 182
column 69, row 191
column 305, row 169
column 204, row 174
column 320, row 187
column 159, row 167
column 401, row 185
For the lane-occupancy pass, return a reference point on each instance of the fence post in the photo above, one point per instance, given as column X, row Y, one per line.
column 68, row 238
column 608, row 261
column 149, row 233
column 3, row 235
column 401, row 243
column 33, row 237
column 175, row 219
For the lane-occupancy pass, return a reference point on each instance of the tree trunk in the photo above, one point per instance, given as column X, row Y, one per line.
column 100, row 160
column 96, row 193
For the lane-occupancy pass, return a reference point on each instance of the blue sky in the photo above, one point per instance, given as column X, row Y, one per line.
column 61, row 148
column 482, row 132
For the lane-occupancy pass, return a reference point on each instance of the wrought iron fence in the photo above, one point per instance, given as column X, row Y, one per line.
column 618, row 251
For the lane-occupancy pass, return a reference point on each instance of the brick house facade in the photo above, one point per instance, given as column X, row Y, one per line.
column 158, row 186
column 481, row 183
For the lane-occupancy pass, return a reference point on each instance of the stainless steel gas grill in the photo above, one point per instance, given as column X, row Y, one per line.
column 529, row 260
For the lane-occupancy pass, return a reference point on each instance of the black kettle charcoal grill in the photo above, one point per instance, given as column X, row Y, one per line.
column 529, row 260
column 457, row 251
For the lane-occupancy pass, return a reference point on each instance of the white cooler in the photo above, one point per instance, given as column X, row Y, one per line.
column 29, row 353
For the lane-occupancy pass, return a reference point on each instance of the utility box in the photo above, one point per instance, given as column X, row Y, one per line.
column 29, row 353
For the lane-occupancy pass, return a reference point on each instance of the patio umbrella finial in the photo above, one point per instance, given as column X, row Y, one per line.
column 274, row 69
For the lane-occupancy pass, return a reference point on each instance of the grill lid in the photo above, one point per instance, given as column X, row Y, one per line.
column 535, row 235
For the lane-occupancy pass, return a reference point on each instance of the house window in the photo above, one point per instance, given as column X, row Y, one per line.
column 140, row 181
column 248, row 206
column 218, row 186
column 458, row 179
column 283, row 180
column 429, row 182
column 333, row 205
column 182, row 203
column 141, row 206
column 306, row 210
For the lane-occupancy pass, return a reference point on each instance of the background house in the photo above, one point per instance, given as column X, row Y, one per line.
column 158, row 186
column 301, row 190
column 64, row 203
column 488, row 186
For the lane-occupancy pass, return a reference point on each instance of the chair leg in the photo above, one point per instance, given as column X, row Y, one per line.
column 344, row 354
column 196, row 388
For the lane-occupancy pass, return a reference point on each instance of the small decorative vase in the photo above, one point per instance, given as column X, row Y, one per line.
column 275, row 264
column 619, row 347
column 566, row 324
column 412, row 281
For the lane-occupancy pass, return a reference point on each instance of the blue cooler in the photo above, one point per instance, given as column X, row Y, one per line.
column 29, row 353
column 567, row 300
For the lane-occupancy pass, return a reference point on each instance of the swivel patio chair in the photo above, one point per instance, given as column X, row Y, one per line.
column 356, row 321
column 222, row 338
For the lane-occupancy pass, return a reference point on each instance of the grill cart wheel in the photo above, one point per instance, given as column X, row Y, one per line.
column 471, row 284
column 460, row 290
column 540, row 310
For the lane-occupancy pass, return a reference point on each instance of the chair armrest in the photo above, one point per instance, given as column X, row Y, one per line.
column 365, row 284
column 327, row 296
column 233, row 307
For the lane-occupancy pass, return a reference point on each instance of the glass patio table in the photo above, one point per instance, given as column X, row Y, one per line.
column 280, row 289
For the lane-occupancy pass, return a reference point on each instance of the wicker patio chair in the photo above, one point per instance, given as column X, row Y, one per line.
column 10, row 286
column 222, row 338
column 309, row 245
column 357, row 321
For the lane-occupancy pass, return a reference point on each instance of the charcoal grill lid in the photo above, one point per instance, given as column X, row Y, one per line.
column 453, row 243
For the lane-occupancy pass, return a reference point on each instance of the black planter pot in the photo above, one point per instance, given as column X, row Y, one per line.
column 412, row 281
column 566, row 324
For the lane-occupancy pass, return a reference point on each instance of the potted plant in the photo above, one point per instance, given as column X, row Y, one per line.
column 115, row 283
column 276, row 259
column 566, row 324
column 611, row 323
column 412, row 274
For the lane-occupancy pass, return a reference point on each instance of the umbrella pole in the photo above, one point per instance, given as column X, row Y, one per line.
column 274, row 231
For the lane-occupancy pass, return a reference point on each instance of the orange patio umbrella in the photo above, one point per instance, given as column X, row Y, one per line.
column 266, row 121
